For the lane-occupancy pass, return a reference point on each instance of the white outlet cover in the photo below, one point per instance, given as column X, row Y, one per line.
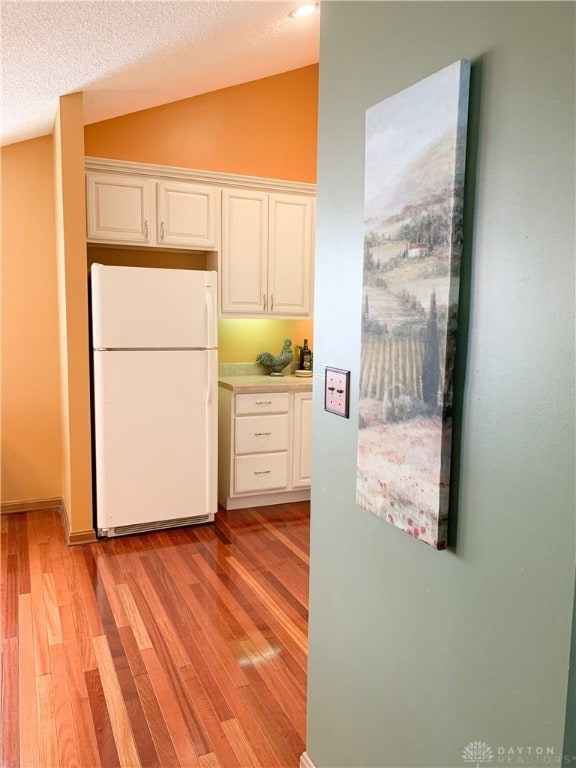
column 337, row 392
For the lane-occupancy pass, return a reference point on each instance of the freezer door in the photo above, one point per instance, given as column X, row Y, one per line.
column 155, row 436
column 146, row 308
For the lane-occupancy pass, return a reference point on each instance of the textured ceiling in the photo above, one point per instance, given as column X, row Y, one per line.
column 128, row 55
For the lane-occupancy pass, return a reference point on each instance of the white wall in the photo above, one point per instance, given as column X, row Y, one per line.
column 415, row 653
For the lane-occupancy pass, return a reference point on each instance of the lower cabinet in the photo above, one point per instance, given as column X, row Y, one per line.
column 264, row 448
column 302, row 440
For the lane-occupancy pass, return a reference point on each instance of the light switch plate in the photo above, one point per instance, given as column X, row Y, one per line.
column 337, row 392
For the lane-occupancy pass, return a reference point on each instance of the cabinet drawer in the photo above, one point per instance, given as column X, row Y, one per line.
column 263, row 402
column 261, row 434
column 263, row 472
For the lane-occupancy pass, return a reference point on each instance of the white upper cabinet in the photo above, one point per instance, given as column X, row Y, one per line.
column 119, row 208
column 290, row 254
column 267, row 247
column 145, row 211
column 188, row 215
column 244, row 281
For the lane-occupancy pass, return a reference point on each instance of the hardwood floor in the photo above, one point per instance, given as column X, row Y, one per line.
column 177, row 648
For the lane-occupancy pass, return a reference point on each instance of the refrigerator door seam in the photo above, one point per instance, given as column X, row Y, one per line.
column 151, row 349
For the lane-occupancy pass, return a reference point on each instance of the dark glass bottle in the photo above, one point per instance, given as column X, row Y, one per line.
column 305, row 357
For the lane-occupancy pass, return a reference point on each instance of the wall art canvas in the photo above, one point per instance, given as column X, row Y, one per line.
column 413, row 205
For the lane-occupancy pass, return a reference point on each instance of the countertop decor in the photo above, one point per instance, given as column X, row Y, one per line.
column 277, row 363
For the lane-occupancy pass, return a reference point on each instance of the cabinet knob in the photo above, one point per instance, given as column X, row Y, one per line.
column 263, row 472
column 264, row 301
column 272, row 303
column 146, row 229
column 161, row 230
column 262, row 434
column 263, row 402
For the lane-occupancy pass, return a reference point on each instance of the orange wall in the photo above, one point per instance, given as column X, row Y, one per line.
column 266, row 128
column 31, row 445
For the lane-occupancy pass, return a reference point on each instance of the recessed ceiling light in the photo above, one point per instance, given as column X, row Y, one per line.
column 303, row 10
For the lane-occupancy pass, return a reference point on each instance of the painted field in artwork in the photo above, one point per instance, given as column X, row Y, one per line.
column 414, row 184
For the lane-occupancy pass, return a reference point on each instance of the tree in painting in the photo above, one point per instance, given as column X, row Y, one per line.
column 431, row 360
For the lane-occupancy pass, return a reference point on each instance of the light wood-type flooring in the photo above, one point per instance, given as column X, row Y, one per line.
column 176, row 648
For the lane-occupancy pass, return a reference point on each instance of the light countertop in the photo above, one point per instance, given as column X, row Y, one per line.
column 266, row 383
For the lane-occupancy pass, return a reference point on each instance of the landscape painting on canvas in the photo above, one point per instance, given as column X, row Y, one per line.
column 414, row 186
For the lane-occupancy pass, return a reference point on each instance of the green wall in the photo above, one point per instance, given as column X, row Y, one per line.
column 415, row 653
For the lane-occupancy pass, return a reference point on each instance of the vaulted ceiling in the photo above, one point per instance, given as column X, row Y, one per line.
column 128, row 55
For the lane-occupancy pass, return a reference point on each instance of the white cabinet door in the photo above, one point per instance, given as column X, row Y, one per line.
column 119, row 208
column 244, row 252
column 290, row 254
column 188, row 215
column 302, row 440
column 267, row 253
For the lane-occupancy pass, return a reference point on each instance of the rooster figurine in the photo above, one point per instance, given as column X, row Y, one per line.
column 277, row 363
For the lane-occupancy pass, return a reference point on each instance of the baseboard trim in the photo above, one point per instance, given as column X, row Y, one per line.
column 40, row 505
column 77, row 537
column 266, row 499
column 33, row 505
column 305, row 761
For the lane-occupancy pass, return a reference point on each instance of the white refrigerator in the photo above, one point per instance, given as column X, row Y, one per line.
column 154, row 397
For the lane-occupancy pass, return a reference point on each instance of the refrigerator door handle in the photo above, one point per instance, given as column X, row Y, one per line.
column 210, row 317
